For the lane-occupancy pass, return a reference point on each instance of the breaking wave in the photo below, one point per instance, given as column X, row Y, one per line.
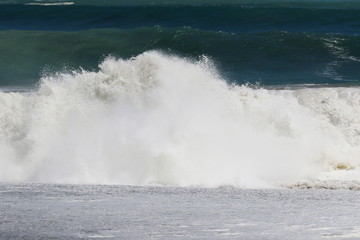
column 163, row 120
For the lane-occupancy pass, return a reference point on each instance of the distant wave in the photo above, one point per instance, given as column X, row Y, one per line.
column 226, row 18
column 163, row 120
column 51, row 4
column 310, row 4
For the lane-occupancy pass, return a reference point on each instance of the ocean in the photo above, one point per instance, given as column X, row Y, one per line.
column 74, row 212
column 254, row 102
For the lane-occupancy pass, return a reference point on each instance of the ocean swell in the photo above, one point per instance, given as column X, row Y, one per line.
column 163, row 120
column 271, row 58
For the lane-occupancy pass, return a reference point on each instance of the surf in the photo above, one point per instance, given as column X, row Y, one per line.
column 158, row 119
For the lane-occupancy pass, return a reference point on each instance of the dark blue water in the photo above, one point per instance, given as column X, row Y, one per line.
column 269, row 43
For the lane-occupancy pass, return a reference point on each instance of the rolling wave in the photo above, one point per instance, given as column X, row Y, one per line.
column 269, row 58
column 158, row 119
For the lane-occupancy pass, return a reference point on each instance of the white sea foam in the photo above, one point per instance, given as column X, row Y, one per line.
column 157, row 119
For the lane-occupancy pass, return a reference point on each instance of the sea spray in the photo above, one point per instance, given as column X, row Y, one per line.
column 158, row 119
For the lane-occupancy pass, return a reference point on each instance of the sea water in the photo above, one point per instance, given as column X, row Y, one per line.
column 43, row 211
column 194, row 119
column 165, row 120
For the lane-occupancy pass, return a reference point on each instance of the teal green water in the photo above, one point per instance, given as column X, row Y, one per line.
column 267, row 42
column 270, row 57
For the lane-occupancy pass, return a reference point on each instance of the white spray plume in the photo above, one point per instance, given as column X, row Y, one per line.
column 157, row 119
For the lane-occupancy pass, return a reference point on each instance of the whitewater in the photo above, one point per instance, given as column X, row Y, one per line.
column 161, row 120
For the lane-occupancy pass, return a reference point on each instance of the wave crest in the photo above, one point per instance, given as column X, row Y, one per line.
column 158, row 119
